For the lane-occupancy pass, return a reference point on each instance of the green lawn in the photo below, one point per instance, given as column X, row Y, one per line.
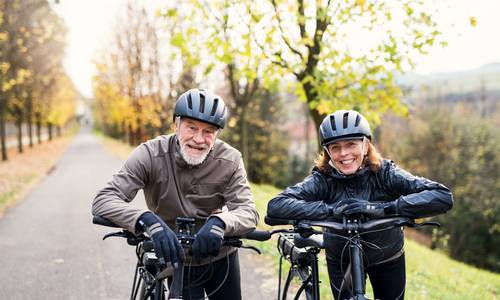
column 430, row 274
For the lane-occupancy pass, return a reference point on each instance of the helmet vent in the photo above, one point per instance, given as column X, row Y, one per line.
column 214, row 107
column 358, row 119
column 332, row 122
column 202, row 103
column 345, row 119
column 190, row 102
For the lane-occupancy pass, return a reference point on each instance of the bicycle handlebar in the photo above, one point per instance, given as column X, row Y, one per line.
column 256, row 235
column 354, row 224
column 98, row 220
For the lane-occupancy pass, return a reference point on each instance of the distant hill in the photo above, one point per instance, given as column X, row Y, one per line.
column 462, row 82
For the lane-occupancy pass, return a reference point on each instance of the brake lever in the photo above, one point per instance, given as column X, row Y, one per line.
column 121, row 234
column 251, row 248
column 306, row 230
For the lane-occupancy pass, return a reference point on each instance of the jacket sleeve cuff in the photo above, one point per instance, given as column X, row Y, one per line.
column 391, row 208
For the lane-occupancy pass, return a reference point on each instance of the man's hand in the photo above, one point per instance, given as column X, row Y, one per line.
column 337, row 209
column 371, row 209
column 209, row 238
column 165, row 242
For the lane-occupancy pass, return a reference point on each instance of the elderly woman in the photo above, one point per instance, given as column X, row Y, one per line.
column 350, row 178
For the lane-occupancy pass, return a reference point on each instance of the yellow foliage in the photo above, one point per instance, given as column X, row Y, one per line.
column 4, row 36
column 4, row 67
column 473, row 21
column 6, row 86
column 324, row 107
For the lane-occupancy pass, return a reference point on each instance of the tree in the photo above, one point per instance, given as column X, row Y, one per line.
column 313, row 42
column 31, row 48
column 455, row 146
column 223, row 42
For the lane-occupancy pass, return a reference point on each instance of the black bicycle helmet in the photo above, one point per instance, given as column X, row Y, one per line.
column 202, row 105
column 343, row 125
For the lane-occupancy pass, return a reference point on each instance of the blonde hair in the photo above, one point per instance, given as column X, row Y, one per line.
column 372, row 160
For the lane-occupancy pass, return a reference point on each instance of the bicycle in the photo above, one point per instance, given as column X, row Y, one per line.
column 301, row 245
column 149, row 278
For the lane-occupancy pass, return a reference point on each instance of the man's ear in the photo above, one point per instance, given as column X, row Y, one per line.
column 366, row 146
column 177, row 122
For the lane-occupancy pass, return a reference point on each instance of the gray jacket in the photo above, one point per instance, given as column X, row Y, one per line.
column 172, row 188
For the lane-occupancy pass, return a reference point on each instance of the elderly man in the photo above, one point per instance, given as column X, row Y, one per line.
column 189, row 173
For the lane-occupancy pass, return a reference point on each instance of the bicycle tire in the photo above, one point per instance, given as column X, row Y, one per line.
column 301, row 278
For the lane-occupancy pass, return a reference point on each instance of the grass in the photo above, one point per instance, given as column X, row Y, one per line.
column 430, row 274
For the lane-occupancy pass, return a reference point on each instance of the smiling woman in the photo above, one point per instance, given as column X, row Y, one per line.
column 352, row 181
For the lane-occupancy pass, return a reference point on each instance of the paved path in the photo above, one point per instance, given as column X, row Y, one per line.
column 50, row 250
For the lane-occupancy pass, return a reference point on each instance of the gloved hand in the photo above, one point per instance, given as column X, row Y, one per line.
column 371, row 209
column 336, row 209
column 165, row 242
column 209, row 238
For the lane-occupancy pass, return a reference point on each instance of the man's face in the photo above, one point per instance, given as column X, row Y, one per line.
column 347, row 156
column 196, row 138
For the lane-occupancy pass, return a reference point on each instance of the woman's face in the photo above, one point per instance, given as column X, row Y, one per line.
column 347, row 155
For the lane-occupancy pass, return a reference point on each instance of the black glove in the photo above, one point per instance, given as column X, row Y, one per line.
column 337, row 209
column 372, row 209
column 209, row 238
column 165, row 242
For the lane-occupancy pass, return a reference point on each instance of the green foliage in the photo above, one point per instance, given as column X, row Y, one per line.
column 267, row 144
column 461, row 150
column 313, row 41
column 224, row 39
column 429, row 274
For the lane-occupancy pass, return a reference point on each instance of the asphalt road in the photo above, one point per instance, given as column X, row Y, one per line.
column 51, row 250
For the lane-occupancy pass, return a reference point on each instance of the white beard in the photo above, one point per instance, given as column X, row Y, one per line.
column 193, row 160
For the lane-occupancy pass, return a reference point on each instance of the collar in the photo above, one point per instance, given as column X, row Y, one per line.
column 336, row 174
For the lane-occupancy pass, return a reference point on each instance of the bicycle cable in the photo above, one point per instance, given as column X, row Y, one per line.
column 210, row 269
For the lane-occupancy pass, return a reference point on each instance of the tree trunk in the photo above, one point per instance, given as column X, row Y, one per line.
column 58, row 130
column 312, row 95
column 307, row 154
column 38, row 122
column 19, row 124
column 244, row 135
column 138, row 137
column 49, row 126
column 130, row 135
column 2, row 129
column 29, row 117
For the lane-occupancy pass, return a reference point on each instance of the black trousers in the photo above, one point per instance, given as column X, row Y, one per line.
column 220, row 280
column 388, row 279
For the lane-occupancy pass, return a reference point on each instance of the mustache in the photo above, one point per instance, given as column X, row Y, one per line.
column 198, row 146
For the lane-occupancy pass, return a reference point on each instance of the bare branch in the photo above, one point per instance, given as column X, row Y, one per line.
column 287, row 42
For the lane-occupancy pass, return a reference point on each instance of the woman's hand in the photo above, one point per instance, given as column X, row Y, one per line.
column 371, row 209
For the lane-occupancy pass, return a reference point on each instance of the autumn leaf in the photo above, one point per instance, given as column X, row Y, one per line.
column 473, row 21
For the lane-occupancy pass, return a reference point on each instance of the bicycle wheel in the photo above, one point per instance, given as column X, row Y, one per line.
column 151, row 292
column 298, row 284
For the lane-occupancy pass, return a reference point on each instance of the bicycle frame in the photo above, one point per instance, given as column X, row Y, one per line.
column 352, row 228
column 303, row 263
column 147, row 284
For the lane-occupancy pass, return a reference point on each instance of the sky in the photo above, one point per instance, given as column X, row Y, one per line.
column 90, row 24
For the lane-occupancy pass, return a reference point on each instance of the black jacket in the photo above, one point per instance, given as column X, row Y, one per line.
column 415, row 197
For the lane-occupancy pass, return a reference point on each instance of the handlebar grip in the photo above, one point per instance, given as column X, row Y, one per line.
column 257, row 235
column 104, row 222
column 277, row 221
